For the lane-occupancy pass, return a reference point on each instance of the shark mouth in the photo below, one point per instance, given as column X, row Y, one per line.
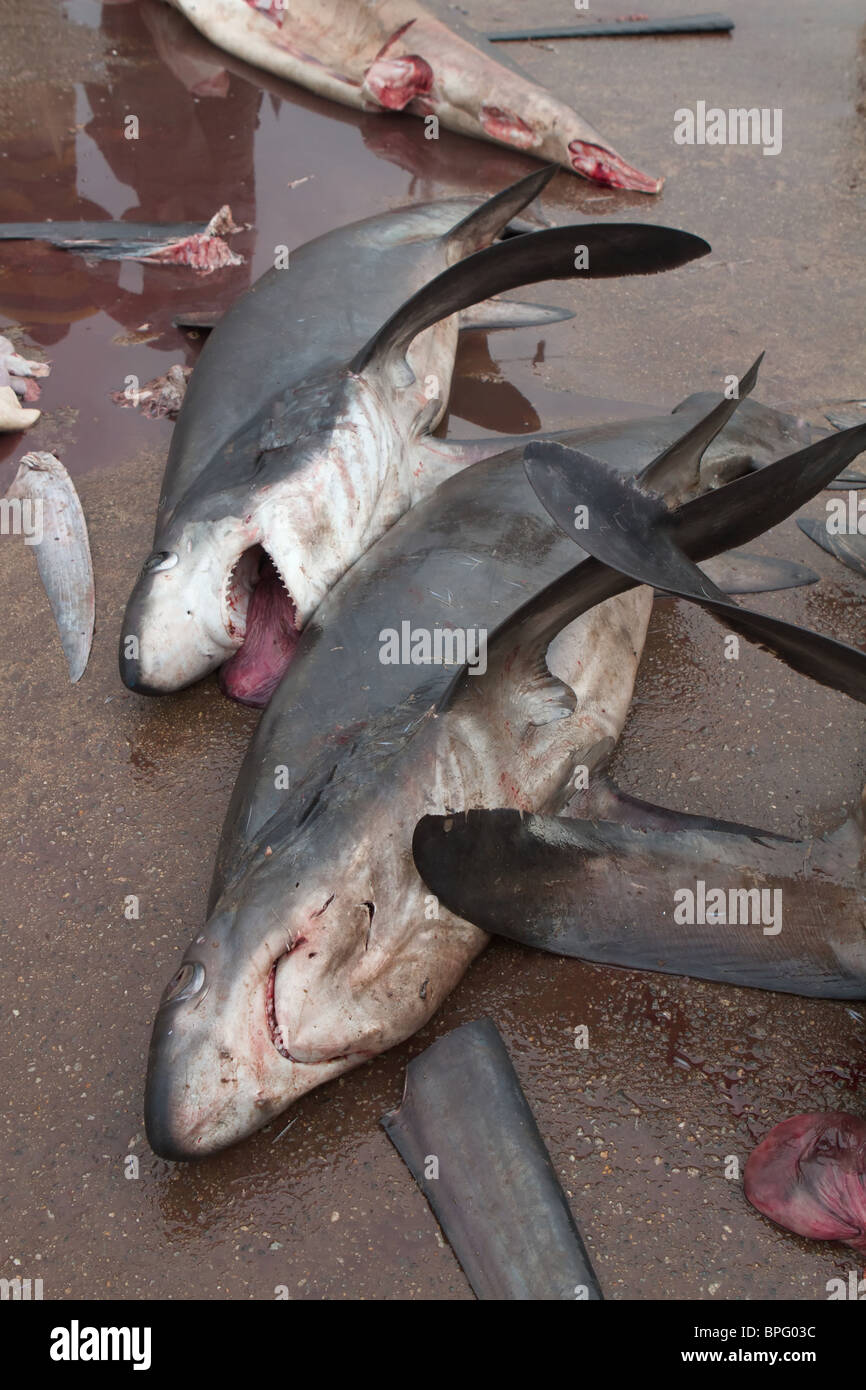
column 274, row 1029
column 261, row 609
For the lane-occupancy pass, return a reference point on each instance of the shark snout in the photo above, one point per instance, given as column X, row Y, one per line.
column 174, row 631
column 209, row 1083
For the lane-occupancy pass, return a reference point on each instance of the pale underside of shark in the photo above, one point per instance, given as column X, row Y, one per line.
column 324, row 946
column 394, row 55
column 306, row 428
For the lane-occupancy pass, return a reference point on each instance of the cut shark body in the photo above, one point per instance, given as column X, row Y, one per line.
column 280, row 476
column 394, row 55
column 323, row 946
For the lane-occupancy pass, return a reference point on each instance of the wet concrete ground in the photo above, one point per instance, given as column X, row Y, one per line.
column 107, row 794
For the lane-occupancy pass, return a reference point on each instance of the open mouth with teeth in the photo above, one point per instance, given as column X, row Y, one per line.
column 260, row 607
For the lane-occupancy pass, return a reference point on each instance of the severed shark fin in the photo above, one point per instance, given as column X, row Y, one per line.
column 742, row 572
column 494, row 1190
column 850, row 548
column 59, row 538
column 607, row 249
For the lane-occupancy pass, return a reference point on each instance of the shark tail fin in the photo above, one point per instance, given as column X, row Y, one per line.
column 592, row 250
column 636, row 534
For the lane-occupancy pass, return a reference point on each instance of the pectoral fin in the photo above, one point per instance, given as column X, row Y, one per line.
column 493, row 314
column 740, row 572
column 605, row 249
column 850, row 549
column 469, row 1139
column 655, row 898
column 62, row 552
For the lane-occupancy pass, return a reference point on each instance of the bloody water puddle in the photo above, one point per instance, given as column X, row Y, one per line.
column 213, row 131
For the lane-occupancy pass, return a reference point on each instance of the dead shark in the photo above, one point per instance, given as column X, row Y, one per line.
column 627, row 883
column 394, row 55
column 280, row 476
column 323, row 946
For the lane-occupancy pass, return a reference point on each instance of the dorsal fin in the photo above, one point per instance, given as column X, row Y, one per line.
column 486, row 222
column 607, row 249
column 676, row 472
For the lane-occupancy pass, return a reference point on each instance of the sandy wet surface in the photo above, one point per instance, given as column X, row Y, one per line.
column 107, row 794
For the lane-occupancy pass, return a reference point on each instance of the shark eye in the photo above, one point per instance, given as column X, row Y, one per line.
column 161, row 560
column 187, row 982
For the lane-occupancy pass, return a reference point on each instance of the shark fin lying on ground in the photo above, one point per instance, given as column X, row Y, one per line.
column 741, row 572
column 809, row 1175
column 187, row 243
column 62, row 551
column 849, row 547
column 494, row 1192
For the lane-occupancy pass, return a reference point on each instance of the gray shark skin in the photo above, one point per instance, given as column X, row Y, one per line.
column 849, row 548
column 323, row 947
column 281, row 475
column 495, row 1191
column 394, row 55
column 791, row 915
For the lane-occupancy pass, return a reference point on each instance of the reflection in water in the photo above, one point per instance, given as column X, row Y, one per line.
column 212, row 130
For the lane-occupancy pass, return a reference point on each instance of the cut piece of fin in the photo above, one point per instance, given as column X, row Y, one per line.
column 493, row 314
column 634, row 533
column 494, row 1190
column 850, row 549
column 74, row 233
column 850, row 479
column 611, row 249
column 677, row 470
column 62, row 552
column 486, row 222
column 617, row 895
column 741, row 572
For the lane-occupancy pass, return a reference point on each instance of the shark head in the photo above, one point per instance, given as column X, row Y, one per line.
column 317, row 957
column 243, row 559
column 220, row 1063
